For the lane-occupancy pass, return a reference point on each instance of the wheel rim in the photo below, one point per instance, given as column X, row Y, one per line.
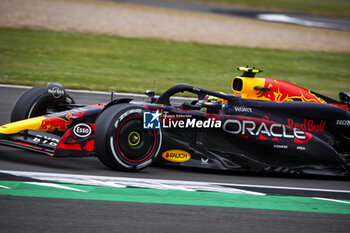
column 134, row 138
column 134, row 143
column 36, row 110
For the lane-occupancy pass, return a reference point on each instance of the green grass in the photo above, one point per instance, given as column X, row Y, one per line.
column 326, row 7
column 35, row 57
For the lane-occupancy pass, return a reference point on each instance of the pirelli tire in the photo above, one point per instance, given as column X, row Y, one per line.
column 27, row 105
column 121, row 143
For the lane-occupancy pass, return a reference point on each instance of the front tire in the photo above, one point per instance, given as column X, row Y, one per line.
column 121, row 143
column 23, row 108
column 28, row 104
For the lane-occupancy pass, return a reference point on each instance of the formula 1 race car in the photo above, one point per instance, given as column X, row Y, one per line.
column 268, row 125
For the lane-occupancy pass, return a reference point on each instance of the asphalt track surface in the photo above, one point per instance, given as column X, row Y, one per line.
column 248, row 12
column 26, row 214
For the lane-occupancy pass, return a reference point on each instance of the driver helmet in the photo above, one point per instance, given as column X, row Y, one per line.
column 213, row 99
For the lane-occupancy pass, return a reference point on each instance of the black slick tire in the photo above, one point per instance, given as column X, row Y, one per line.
column 27, row 105
column 121, row 143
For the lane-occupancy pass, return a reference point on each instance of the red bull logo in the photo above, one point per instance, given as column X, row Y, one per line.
column 284, row 91
column 307, row 125
column 51, row 124
column 272, row 90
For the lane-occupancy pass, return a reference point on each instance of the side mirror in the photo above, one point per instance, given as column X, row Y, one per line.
column 150, row 93
column 344, row 98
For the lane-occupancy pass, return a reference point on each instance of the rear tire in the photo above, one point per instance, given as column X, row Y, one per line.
column 121, row 143
column 26, row 106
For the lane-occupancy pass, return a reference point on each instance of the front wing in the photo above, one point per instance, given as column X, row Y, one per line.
column 70, row 144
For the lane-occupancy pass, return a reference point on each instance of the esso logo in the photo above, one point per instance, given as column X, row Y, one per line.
column 82, row 130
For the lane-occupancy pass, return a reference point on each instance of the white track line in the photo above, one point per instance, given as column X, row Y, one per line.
column 289, row 188
column 57, row 177
column 294, row 20
column 4, row 187
column 333, row 200
column 77, row 91
column 15, row 86
column 55, row 186
column 97, row 92
column 127, row 182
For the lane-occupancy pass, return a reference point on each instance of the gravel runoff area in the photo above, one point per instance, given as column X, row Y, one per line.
column 103, row 17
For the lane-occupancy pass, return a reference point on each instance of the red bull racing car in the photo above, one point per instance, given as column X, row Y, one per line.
column 267, row 125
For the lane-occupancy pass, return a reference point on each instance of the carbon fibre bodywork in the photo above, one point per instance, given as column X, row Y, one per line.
column 240, row 134
column 265, row 136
